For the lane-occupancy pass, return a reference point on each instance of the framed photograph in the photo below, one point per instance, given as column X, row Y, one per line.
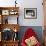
column 13, row 12
column 5, row 12
column 30, row 13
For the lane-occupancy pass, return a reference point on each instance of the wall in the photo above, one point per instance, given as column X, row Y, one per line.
column 27, row 4
column 32, row 22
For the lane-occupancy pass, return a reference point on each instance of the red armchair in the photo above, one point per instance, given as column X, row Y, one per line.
column 29, row 36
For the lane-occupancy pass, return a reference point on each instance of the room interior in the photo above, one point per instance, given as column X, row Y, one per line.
column 17, row 16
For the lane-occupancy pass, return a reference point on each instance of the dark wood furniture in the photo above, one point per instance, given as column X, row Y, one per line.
column 0, row 43
column 8, row 11
column 4, row 13
column 10, row 43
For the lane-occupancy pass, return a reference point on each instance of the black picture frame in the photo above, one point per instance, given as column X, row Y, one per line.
column 30, row 13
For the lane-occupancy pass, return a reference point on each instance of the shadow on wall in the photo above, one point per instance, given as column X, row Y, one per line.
column 37, row 29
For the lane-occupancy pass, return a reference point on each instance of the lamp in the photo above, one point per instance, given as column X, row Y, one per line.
column 15, row 30
column 15, row 3
column 15, row 37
